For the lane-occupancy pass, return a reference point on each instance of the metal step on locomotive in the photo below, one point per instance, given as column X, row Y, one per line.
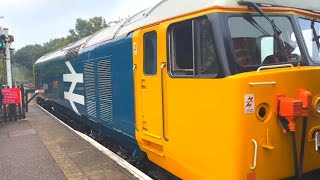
column 205, row 89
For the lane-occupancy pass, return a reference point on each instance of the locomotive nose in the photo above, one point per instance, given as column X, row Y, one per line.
column 285, row 116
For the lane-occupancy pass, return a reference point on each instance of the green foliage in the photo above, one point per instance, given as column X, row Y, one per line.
column 25, row 57
column 55, row 44
column 20, row 73
column 3, row 79
column 85, row 28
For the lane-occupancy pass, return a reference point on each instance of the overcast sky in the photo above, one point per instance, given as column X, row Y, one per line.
column 38, row 21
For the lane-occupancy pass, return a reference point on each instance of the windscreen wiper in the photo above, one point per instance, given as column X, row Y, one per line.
column 315, row 35
column 256, row 25
column 260, row 11
column 277, row 31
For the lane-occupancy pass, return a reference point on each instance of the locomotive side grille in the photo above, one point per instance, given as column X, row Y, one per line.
column 105, row 92
column 73, row 52
column 90, row 90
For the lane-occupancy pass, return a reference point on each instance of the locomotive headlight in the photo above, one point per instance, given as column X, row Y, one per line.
column 316, row 105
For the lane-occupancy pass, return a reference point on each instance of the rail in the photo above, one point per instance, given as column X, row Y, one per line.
column 316, row 138
column 274, row 66
column 163, row 65
column 134, row 67
column 262, row 83
column 255, row 154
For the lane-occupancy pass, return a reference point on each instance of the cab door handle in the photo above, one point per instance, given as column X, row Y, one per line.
column 163, row 67
column 143, row 83
column 134, row 67
column 255, row 154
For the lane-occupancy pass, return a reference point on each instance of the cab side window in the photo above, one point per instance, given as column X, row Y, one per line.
column 150, row 53
column 38, row 79
column 182, row 49
column 191, row 49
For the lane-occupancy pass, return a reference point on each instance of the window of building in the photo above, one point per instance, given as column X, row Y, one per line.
column 150, row 53
column 191, row 49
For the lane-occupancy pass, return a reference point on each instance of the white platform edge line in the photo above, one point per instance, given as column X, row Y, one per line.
column 133, row 170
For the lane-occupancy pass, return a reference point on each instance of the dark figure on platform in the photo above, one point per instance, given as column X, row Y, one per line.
column 1, row 104
column 1, row 99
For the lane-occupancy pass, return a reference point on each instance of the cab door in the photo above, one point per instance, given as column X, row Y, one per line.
column 150, row 87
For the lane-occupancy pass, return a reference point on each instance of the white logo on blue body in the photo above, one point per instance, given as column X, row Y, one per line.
column 74, row 78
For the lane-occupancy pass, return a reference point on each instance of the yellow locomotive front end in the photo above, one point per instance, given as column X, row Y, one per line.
column 229, row 128
column 220, row 94
column 274, row 104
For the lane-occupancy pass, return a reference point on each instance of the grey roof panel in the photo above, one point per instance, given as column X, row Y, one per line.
column 163, row 10
column 61, row 52
column 168, row 9
column 313, row 5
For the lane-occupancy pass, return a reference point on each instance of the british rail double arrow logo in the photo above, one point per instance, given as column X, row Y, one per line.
column 74, row 78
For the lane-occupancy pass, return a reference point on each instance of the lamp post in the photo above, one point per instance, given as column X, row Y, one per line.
column 1, row 17
column 6, row 40
column 7, row 57
column 4, row 64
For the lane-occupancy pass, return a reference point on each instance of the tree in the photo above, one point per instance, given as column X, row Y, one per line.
column 3, row 79
column 28, row 55
column 85, row 28
column 20, row 73
column 55, row 44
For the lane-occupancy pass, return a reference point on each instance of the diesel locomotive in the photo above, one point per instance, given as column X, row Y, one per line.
column 206, row 89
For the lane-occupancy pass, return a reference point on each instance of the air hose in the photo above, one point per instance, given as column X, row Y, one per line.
column 284, row 125
column 287, row 117
column 295, row 154
column 303, row 139
column 298, row 164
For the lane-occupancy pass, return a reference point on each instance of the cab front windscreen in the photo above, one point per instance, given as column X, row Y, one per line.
column 257, row 42
column 310, row 31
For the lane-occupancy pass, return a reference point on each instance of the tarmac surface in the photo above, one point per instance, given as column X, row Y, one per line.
column 42, row 148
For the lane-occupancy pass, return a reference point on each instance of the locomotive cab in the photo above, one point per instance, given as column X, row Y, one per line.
column 207, row 97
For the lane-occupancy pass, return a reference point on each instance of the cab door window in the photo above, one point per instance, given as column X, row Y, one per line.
column 191, row 49
column 150, row 53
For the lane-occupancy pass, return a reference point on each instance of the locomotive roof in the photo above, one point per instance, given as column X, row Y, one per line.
column 61, row 52
column 167, row 9
column 312, row 5
column 163, row 10
column 171, row 8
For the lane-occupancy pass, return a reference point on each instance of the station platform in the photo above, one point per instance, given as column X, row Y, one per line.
column 42, row 147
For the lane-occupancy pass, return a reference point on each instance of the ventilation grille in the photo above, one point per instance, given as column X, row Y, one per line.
column 73, row 52
column 90, row 90
column 105, row 92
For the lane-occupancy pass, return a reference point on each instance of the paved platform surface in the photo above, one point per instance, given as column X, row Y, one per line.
column 42, row 148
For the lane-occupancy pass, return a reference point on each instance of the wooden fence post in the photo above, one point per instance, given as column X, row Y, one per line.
column 23, row 113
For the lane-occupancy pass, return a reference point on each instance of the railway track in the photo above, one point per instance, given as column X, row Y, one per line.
column 144, row 165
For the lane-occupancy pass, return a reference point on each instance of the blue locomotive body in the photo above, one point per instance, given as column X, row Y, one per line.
column 97, row 84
